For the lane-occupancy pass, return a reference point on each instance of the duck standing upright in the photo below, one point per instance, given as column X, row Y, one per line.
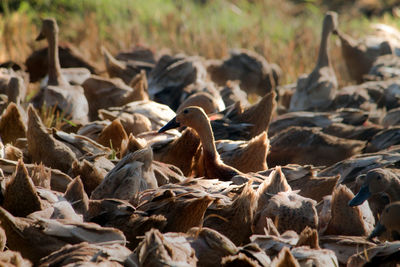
column 318, row 89
column 70, row 99
column 196, row 118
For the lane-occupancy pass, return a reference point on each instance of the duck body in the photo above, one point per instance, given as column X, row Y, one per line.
column 246, row 156
column 253, row 71
column 360, row 55
column 308, row 145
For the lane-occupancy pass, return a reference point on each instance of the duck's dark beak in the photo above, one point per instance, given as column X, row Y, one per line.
column 40, row 37
column 378, row 230
column 170, row 125
column 361, row 196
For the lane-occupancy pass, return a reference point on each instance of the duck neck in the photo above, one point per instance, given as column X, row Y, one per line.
column 206, row 135
column 323, row 58
column 54, row 67
column 346, row 40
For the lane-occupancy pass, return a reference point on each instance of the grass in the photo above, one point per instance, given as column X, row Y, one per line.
column 285, row 33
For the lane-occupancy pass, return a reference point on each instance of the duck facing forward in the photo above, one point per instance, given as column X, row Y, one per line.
column 59, row 92
column 196, row 118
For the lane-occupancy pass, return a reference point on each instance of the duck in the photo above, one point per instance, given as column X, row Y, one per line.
column 195, row 118
column 125, row 70
column 288, row 207
column 131, row 174
column 252, row 70
column 239, row 122
column 112, row 135
column 58, row 92
column 171, row 75
column 43, row 147
column 376, row 181
column 275, row 182
column 12, row 124
column 318, row 89
column 359, row 220
column 232, row 153
column 16, row 90
column 204, row 100
column 359, row 55
column 258, row 115
column 308, row 145
column 21, row 197
column 389, row 222
column 76, row 195
column 234, row 219
column 103, row 93
column 135, row 124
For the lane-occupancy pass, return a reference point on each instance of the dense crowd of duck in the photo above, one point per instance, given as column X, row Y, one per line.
column 165, row 162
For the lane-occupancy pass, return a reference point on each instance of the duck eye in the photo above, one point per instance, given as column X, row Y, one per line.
column 185, row 111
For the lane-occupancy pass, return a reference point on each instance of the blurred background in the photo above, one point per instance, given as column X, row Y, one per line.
column 286, row 32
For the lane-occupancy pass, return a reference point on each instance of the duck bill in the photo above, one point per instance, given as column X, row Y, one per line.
column 40, row 37
column 361, row 196
column 170, row 125
column 378, row 230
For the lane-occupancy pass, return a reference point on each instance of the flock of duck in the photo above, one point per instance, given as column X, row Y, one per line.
column 165, row 162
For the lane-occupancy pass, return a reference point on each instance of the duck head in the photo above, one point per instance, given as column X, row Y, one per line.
column 376, row 181
column 330, row 21
column 190, row 116
column 49, row 28
column 390, row 221
column 209, row 103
